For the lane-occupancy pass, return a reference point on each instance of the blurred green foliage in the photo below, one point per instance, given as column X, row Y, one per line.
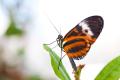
column 35, row 78
column 13, row 30
column 21, row 52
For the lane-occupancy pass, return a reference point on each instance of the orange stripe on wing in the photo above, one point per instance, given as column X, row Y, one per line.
column 66, row 48
column 83, row 37
column 78, row 53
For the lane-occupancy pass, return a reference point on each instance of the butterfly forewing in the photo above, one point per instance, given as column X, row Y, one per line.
column 95, row 23
column 78, row 40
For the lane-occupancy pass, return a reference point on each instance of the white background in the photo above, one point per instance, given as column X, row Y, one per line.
column 65, row 14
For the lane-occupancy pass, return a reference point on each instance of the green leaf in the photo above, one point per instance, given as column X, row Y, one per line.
column 111, row 71
column 61, row 72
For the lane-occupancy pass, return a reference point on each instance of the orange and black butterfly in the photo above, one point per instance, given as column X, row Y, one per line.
column 77, row 42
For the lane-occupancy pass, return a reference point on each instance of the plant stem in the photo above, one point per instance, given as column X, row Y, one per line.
column 78, row 71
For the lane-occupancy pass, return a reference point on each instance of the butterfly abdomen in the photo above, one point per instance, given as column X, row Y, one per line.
column 76, row 47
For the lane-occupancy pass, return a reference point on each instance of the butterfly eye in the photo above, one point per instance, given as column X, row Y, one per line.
column 86, row 31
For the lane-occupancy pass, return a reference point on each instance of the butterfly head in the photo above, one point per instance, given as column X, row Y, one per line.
column 59, row 40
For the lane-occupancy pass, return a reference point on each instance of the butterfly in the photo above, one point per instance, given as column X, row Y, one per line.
column 77, row 42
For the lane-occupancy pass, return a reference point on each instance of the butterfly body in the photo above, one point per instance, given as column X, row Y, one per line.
column 77, row 42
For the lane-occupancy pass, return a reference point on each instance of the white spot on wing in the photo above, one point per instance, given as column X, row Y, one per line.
column 85, row 26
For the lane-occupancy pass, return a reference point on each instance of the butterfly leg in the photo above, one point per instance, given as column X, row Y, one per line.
column 61, row 57
column 51, row 43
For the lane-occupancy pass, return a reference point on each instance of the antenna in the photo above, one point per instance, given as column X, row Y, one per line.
column 53, row 25
column 59, row 32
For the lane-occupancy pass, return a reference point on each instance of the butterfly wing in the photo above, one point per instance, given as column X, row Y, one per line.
column 95, row 23
column 77, row 41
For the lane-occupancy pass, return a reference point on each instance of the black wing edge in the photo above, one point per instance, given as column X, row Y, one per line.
column 96, row 24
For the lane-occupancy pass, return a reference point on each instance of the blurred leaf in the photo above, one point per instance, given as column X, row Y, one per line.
column 61, row 72
column 12, row 29
column 2, row 78
column 111, row 71
column 34, row 78
column 21, row 52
